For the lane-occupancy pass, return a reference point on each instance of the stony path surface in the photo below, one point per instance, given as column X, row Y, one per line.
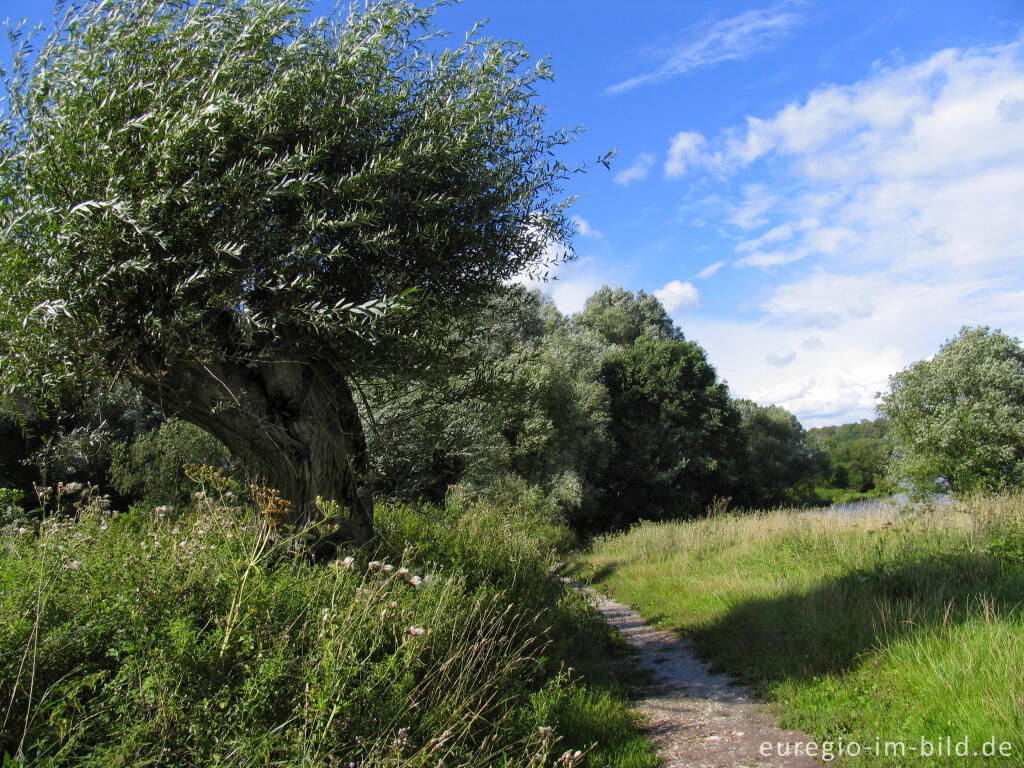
column 697, row 719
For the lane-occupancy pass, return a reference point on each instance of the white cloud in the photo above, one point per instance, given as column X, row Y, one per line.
column 576, row 282
column 709, row 270
column 768, row 259
column 894, row 218
column 638, row 171
column 774, row 235
column 571, row 295
column 685, row 150
column 713, row 42
column 677, row 296
column 584, row 228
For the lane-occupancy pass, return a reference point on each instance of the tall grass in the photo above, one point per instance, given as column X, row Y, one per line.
column 904, row 628
column 199, row 640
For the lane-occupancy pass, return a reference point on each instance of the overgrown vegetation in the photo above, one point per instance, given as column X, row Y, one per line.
column 150, row 637
column 903, row 628
column 236, row 242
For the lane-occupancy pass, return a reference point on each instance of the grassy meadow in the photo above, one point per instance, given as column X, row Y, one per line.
column 866, row 629
column 157, row 638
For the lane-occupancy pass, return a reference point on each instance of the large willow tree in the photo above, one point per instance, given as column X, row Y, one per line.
column 244, row 211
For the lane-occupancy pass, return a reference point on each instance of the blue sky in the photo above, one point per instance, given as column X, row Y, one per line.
column 820, row 192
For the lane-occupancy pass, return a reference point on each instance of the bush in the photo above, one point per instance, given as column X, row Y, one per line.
column 152, row 468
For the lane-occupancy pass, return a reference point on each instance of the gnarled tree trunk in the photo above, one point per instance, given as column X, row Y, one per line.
column 297, row 428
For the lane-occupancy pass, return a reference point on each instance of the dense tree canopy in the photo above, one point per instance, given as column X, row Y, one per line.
column 957, row 420
column 781, row 465
column 243, row 211
column 675, row 433
column 621, row 317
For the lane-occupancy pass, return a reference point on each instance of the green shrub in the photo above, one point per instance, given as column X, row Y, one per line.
column 152, row 468
column 11, row 500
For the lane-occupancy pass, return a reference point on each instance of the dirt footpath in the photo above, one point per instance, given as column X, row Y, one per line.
column 697, row 719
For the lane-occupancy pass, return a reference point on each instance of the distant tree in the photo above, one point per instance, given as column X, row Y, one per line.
column 781, row 465
column 958, row 419
column 243, row 212
column 858, row 453
column 621, row 316
column 676, row 441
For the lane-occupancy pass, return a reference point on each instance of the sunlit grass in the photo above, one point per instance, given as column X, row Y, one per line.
column 898, row 628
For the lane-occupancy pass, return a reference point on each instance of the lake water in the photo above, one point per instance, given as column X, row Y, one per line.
column 887, row 507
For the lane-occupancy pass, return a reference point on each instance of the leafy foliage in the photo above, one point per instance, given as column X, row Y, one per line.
column 781, row 465
column 858, row 454
column 957, row 420
column 622, row 317
column 675, row 433
column 152, row 468
column 243, row 210
column 215, row 177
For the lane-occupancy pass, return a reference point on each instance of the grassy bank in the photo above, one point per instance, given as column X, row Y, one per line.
column 857, row 629
column 149, row 638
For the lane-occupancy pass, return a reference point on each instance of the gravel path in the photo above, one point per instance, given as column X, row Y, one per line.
column 697, row 719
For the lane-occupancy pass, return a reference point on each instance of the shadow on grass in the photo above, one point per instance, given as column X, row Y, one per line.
column 831, row 628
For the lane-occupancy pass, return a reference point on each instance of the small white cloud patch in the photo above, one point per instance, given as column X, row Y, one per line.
column 685, row 151
column 638, row 171
column 584, row 228
column 709, row 270
column 678, row 295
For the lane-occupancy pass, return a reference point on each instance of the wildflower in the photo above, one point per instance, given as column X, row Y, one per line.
column 375, row 565
column 415, row 631
column 346, row 564
column 546, row 731
column 403, row 572
column 72, row 487
column 388, row 568
column 416, row 581
column 73, row 565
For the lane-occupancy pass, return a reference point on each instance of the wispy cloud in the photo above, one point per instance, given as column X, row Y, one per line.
column 780, row 358
column 638, row 171
column 712, row 42
column 709, row 270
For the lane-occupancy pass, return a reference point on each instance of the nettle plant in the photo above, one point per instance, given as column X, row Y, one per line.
column 245, row 212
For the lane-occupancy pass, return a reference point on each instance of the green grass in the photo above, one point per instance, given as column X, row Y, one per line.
column 854, row 629
column 145, row 639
